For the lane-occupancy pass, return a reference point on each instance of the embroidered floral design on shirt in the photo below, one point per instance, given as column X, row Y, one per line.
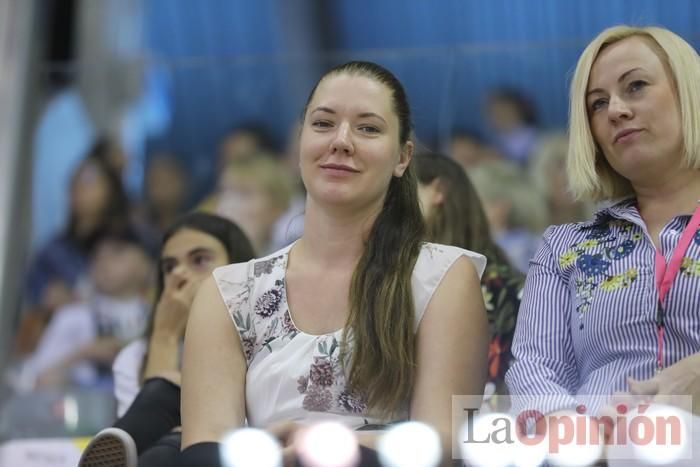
column 619, row 281
column 604, row 244
column 622, row 250
column 690, row 266
column 592, row 265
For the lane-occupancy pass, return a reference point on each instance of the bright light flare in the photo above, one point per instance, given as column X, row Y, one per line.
column 250, row 447
column 327, row 444
column 410, row 444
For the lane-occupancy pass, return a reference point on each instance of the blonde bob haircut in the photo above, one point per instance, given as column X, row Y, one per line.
column 590, row 175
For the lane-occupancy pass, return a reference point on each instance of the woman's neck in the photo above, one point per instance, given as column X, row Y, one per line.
column 661, row 200
column 335, row 238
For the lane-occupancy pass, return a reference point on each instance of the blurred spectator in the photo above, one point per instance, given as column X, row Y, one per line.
column 111, row 153
column 192, row 247
column 290, row 224
column 511, row 116
column 469, row 149
column 548, row 174
column 454, row 216
column 243, row 141
column 56, row 276
column 253, row 192
column 63, row 135
column 83, row 338
column 166, row 192
column 515, row 210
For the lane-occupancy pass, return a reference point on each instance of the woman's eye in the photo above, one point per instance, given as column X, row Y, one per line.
column 167, row 267
column 598, row 104
column 635, row 86
column 321, row 124
column 201, row 260
column 369, row 129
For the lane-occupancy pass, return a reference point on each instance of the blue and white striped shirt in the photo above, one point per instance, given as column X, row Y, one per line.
column 587, row 319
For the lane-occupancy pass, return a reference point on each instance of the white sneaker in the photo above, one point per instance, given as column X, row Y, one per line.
column 111, row 447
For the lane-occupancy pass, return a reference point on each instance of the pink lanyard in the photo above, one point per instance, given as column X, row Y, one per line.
column 665, row 275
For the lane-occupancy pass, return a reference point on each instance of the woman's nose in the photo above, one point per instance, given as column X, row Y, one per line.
column 342, row 142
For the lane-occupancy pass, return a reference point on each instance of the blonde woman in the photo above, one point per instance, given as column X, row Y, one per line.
column 612, row 304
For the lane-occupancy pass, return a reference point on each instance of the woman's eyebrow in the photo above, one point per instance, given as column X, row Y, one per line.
column 371, row 114
column 198, row 250
column 619, row 80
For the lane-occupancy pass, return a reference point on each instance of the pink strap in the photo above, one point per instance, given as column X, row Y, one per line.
column 665, row 275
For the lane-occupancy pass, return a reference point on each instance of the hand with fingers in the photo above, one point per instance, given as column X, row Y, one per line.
column 287, row 433
column 169, row 325
column 173, row 308
column 680, row 379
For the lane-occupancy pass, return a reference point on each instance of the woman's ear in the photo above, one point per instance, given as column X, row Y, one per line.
column 404, row 159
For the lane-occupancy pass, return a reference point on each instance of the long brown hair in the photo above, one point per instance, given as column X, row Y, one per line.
column 380, row 326
column 460, row 219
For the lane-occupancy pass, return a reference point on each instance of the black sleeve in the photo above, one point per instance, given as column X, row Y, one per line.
column 200, row 455
column 153, row 414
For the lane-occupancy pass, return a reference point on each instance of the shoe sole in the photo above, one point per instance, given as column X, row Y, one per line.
column 109, row 448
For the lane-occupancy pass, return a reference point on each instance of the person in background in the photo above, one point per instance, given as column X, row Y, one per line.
column 243, row 141
column 454, row 216
column 253, row 192
column 516, row 212
column 166, row 190
column 290, row 224
column 469, row 149
column 57, row 274
column 268, row 340
column 512, row 118
column 83, row 338
column 611, row 305
column 548, row 175
column 147, row 372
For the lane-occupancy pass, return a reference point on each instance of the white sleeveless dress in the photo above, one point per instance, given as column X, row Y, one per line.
column 296, row 376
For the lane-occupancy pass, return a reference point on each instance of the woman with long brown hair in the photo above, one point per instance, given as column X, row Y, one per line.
column 359, row 321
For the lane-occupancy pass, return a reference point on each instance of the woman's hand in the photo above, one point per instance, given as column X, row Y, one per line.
column 169, row 324
column 681, row 378
column 286, row 432
column 173, row 309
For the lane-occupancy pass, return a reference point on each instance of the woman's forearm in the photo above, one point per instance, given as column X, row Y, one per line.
column 162, row 357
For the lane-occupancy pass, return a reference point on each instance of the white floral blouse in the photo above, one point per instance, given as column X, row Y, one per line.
column 297, row 376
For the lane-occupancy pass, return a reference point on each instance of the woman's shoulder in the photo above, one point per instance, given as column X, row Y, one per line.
column 254, row 268
column 432, row 265
column 599, row 226
column 239, row 283
column 436, row 255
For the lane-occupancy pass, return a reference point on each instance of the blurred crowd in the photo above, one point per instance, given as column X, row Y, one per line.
column 89, row 289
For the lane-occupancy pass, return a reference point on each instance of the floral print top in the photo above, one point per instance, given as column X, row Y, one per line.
column 502, row 287
column 588, row 314
column 297, row 376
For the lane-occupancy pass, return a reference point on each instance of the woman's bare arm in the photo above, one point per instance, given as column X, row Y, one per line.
column 213, row 371
column 452, row 347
